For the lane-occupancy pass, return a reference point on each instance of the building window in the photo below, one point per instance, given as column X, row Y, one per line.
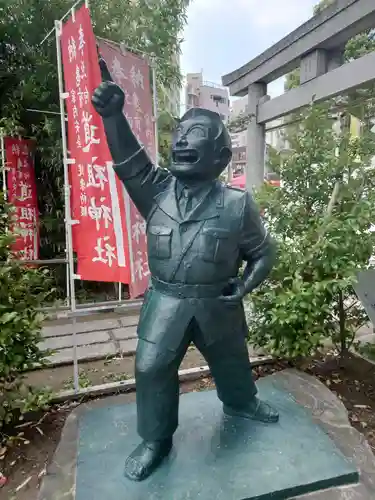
column 218, row 99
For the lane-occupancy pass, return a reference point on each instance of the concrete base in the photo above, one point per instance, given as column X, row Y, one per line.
column 310, row 450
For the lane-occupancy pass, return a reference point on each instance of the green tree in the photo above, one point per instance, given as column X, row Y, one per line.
column 321, row 218
column 28, row 79
column 166, row 125
column 323, row 4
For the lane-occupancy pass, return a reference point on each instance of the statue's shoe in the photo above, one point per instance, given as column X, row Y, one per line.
column 255, row 410
column 146, row 458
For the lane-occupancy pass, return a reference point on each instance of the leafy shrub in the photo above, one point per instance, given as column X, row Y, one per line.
column 23, row 290
column 321, row 218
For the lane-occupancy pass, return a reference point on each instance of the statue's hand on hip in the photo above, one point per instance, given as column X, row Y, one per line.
column 234, row 292
column 108, row 99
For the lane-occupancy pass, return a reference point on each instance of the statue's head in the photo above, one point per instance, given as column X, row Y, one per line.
column 201, row 146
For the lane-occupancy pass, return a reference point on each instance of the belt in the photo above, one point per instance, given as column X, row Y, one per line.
column 184, row 291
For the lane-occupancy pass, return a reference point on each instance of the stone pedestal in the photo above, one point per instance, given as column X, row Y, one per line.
column 313, row 452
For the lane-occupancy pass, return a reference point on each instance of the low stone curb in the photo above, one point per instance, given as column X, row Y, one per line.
column 129, row 385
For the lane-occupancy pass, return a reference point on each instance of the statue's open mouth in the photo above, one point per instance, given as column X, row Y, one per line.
column 185, row 156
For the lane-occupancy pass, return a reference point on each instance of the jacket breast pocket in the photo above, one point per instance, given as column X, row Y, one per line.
column 159, row 240
column 215, row 245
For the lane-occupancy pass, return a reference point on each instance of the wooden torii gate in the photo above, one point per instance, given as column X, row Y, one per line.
column 316, row 47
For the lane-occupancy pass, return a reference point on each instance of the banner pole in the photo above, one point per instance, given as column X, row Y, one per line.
column 155, row 104
column 129, row 231
column 68, row 218
column 3, row 165
column 74, row 6
column 67, row 276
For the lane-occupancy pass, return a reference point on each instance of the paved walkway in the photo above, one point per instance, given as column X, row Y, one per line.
column 108, row 334
column 97, row 336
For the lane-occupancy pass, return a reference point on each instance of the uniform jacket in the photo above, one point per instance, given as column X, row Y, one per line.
column 206, row 247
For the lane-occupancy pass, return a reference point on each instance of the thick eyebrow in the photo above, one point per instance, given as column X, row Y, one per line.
column 186, row 127
column 201, row 126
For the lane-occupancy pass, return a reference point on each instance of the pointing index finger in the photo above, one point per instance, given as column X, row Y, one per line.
column 106, row 75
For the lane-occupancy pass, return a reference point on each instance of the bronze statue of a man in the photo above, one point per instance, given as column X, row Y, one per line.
column 199, row 232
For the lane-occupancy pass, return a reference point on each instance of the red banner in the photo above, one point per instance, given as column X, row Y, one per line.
column 132, row 74
column 22, row 195
column 97, row 199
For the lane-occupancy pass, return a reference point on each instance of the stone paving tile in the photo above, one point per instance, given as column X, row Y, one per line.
column 125, row 333
column 51, row 330
column 129, row 320
column 128, row 346
column 87, row 352
column 82, row 339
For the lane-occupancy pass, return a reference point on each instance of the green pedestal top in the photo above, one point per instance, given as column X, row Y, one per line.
column 214, row 458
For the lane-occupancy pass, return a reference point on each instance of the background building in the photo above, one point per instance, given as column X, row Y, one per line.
column 274, row 139
column 238, row 107
column 239, row 158
column 208, row 95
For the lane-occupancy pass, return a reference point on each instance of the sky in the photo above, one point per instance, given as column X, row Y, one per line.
column 222, row 35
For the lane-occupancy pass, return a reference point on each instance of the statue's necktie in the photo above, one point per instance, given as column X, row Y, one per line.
column 185, row 202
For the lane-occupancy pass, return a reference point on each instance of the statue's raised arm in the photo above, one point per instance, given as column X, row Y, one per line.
column 142, row 179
